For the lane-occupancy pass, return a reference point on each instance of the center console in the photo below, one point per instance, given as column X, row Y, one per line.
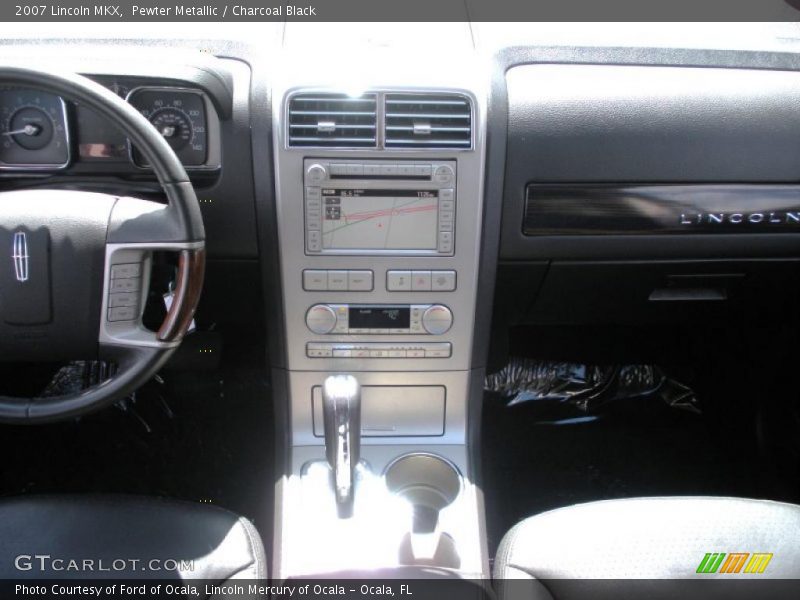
column 379, row 210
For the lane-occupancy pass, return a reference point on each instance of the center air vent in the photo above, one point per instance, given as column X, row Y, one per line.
column 339, row 120
column 428, row 121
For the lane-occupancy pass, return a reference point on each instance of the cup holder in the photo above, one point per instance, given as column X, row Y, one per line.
column 427, row 482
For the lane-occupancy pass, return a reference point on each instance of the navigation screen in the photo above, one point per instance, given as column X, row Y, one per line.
column 379, row 219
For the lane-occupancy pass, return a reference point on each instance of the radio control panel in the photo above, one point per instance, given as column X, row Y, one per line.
column 379, row 319
column 379, row 350
column 379, row 207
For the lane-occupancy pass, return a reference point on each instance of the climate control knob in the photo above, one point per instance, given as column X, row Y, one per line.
column 437, row 319
column 316, row 174
column 321, row 319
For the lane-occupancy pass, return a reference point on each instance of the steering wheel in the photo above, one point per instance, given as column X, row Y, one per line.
column 74, row 265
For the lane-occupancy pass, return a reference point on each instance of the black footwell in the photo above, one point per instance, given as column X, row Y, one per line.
column 636, row 447
column 198, row 436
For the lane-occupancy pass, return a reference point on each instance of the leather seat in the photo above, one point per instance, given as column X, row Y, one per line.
column 641, row 547
column 132, row 537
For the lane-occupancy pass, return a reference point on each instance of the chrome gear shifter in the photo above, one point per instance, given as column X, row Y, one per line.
column 341, row 405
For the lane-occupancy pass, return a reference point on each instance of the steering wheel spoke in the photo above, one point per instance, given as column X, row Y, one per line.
column 125, row 289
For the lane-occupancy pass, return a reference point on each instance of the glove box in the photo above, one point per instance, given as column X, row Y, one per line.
column 666, row 291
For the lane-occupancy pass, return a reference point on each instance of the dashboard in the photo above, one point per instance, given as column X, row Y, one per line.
column 393, row 213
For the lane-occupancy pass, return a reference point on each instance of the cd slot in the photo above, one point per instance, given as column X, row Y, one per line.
column 384, row 177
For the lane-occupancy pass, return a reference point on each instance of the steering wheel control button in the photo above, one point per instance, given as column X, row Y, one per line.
column 123, row 299
column 125, row 285
column 122, row 313
column 321, row 319
column 126, row 271
column 437, row 319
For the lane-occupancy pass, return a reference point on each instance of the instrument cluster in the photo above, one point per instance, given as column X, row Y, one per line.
column 42, row 131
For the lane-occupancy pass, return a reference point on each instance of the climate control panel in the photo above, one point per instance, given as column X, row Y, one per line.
column 376, row 319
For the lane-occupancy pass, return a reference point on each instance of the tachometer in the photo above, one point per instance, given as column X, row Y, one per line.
column 33, row 130
column 179, row 116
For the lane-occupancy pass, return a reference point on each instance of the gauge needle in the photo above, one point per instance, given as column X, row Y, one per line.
column 27, row 130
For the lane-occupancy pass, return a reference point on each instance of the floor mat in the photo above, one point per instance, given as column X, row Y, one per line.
column 637, row 447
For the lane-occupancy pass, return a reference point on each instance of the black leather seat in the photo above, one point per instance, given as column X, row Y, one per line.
column 132, row 537
column 651, row 547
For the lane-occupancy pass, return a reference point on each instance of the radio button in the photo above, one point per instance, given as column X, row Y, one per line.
column 445, row 241
column 447, row 195
column 315, row 281
column 389, row 170
column 443, row 174
column 379, row 354
column 443, row 281
column 320, row 352
column 360, row 353
column 438, row 351
column 398, row 281
column 337, row 281
column 371, row 170
column 355, row 170
column 316, row 174
column 313, row 193
column 397, row 353
column 415, row 353
column 421, row 281
column 338, row 169
column 342, row 353
column 314, row 241
column 359, row 281
column 320, row 319
column 437, row 319
column 405, row 170
column 422, row 170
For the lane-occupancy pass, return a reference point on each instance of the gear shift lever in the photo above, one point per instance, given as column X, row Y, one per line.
column 341, row 407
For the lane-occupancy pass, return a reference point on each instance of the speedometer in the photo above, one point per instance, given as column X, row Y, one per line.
column 33, row 130
column 179, row 116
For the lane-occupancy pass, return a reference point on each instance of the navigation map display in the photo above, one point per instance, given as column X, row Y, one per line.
column 355, row 219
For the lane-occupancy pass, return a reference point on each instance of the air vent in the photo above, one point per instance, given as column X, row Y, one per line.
column 428, row 121
column 333, row 120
